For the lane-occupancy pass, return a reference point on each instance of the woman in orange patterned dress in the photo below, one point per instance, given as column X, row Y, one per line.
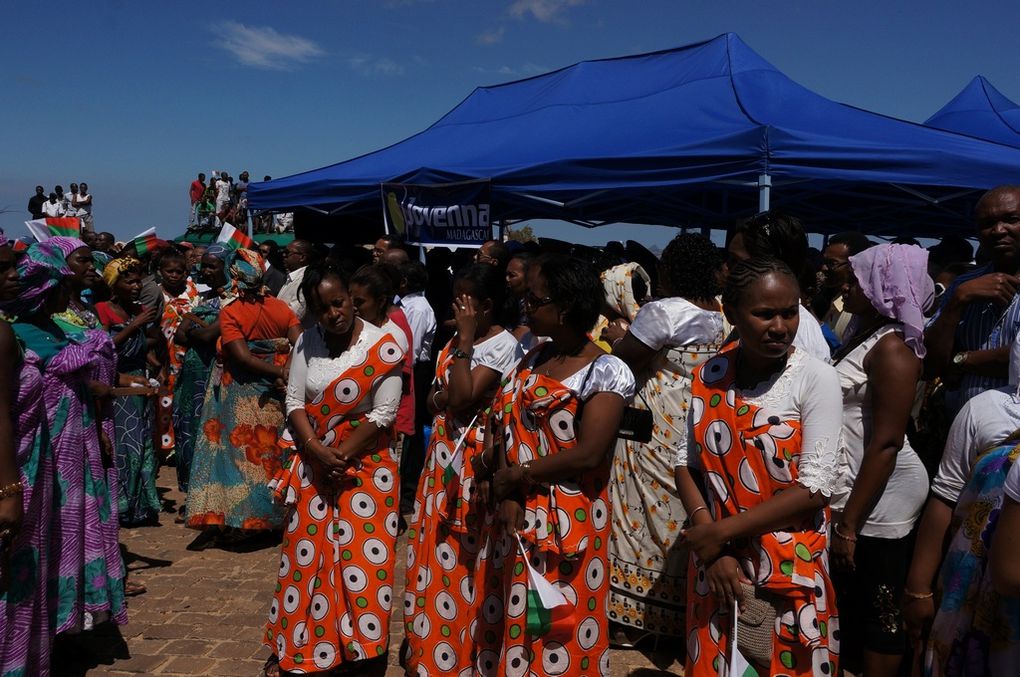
column 446, row 528
column 559, row 414
column 335, row 588
column 762, row 439
column 180, row 296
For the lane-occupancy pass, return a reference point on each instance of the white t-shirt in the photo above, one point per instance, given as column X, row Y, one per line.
column 1012, row 486
column 312, row 370
column 675, row 322
column 810, row 337
column 986, row 419
column 222, row 191
column 84, row 203
column 904, row 494
column 53, row 209
column 808, row 391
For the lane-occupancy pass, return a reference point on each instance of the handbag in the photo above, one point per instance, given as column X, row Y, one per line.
column 636, row 425
column 757, row 633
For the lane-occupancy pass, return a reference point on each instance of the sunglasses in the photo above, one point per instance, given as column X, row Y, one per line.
column 532, row 301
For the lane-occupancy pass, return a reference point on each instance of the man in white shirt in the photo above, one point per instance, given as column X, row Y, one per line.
column 84, row 206
column 222, row 196
column 296, row 257
column 53, row 207
column 416, row 308
column 71, row 209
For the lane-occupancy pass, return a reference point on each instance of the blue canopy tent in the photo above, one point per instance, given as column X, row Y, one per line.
column 693, row 136
column 980, row 110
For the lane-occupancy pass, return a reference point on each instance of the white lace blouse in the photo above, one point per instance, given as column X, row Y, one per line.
column 312, row 370
column 807, row 390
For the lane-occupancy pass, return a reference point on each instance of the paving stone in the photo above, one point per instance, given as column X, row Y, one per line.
column 205, row 612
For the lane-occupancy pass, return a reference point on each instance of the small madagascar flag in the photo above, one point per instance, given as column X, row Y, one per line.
column 549, row 612
column 234, row 238
column 18, row 245
column 457, row 460
column 145, row 244
column 54, row 226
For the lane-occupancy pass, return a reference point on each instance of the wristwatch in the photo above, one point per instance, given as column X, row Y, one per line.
column 460, row 354
column 959, row 359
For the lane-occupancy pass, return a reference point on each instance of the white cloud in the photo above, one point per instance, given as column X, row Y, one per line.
column 545, row 11
column 526, row 70
column 490, row 37
column 264, row 47
column 369, row 65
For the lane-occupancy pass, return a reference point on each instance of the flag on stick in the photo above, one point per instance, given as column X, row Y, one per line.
column 54, row 226
column 18, row 245
column 739, row 667
column 457, row 459
column 549, row 612
column 234, row 238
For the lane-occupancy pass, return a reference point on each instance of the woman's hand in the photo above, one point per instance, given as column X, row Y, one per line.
column 327, row 457
column 841, row 552
column 464, row 317
column 705, row 540
column 11, row 514
column 918, row 615
column 510, row 516
column 126, row 380
column 724, row 578
column 106, row 448
column 143, row 318
column 615, row 331
column 99, row 390
column 506, row 481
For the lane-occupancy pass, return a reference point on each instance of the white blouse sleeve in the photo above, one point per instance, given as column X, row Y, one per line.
column 962, row 447
column 652, row 326
column 499, row 353
column 1012, row 486
column 385, row 400
column 609, row 374
column 820, row 402
column 295, row 398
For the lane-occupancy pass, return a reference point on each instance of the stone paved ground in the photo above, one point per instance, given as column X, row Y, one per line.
column 203, row 612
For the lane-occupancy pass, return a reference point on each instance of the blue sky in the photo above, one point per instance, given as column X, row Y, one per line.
column 136, row 98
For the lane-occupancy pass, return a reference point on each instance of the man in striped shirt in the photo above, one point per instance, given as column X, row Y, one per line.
column 970, row 337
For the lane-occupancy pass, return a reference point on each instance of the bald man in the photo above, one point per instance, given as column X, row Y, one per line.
column 969, row 341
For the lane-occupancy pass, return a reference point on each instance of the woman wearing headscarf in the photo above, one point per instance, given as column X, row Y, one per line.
column 236, row 454
column 85, row 277
column 26, row 485
column 197, row 334
column 135, row 332
column 626, row 288
column 883, row 483
column 86, row 573
column 667, row 340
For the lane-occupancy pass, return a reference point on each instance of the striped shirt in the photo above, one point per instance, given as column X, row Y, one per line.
column 984, row 325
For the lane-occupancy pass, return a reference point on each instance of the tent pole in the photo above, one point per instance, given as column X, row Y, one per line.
column 764, row 192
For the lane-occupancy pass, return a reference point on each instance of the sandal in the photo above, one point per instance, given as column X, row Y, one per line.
column 271, row 668
column 132, row 588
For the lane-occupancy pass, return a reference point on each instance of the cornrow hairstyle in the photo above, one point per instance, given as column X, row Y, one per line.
column 377, row 281
column 777, row 235
column 691, row 262
column 486, row 282
column 745, row 273
column 574, row 288
column 314, row 276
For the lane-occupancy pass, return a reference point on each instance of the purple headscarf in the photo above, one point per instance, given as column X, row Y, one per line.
column 41, row 269
column 67, row 244
column 894, row 277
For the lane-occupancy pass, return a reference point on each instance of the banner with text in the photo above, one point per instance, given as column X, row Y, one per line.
column 454, row 214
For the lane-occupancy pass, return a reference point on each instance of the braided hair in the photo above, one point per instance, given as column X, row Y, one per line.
column 777, row 235
column 745, row 273
column 690, row 262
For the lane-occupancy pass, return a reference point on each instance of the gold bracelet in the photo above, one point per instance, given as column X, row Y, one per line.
column 848, row 539
column 11, row 490
column 917, row 595
column 690, row 518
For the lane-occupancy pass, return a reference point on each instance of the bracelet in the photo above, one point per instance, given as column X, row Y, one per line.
column 526, row 473
column 694, row 512
column 11, row 490
column 481, row 462
column 848, row 539
column 917, row 595
column 434, row 396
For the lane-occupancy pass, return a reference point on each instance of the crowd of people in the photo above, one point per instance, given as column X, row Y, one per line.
column 225, row 200
column 799, row 458
column 77, row 202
